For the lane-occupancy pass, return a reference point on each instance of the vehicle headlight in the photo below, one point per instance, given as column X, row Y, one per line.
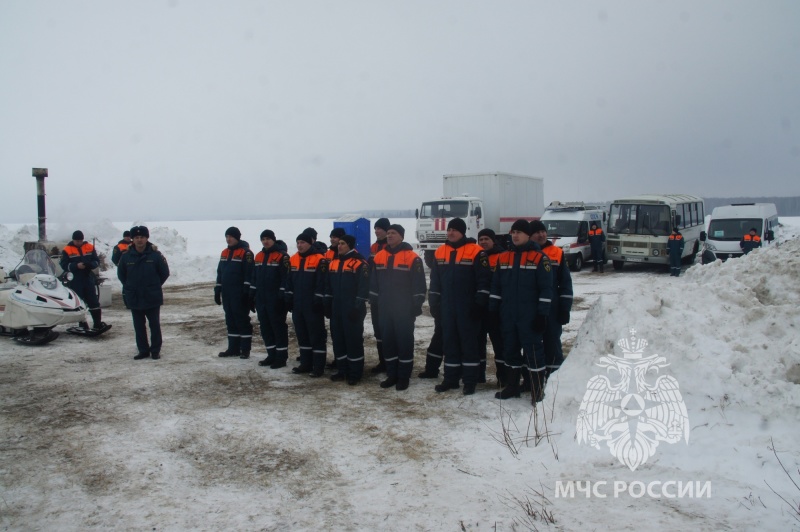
column 655, row 253
column 565, row 248
column 615, row 250
column 49, row 284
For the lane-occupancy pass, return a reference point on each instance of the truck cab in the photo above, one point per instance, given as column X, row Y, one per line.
column 568, row 225
column 433, row 217
column 729, row 223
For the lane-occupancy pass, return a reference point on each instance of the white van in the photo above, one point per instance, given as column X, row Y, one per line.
column 730, row 223
column 568, row 227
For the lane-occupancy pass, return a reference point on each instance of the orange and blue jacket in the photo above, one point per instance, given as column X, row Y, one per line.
column 348, row 285
column 270, row 270
column 460, row 277
column 397, row 282
column 522, row 284
column 307, row 279
column 562, row 279
column 235, row 269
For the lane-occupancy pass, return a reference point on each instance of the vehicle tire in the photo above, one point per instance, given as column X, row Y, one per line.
column 429, row 257
column 618, row 264
column 577, row 265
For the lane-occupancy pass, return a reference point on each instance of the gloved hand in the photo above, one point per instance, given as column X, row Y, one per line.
column 251, row 301
column 289, row 304
column 563, row 316
column 218, row 296
column 436, row 310
column 373, row 302
column 328, row 309
column 280, row 306
column 317, row 305
column 418, row 311
column 539, row 323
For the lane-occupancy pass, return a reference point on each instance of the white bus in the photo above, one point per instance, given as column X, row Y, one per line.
column 639, row 227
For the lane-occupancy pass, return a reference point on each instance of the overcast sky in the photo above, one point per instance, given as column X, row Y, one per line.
column 174, row 109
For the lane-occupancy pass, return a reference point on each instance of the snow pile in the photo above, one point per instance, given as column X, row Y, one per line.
column 731, row 335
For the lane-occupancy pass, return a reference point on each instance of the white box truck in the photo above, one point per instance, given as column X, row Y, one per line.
column 568, row 225
column 486, row 200
column 729, row 223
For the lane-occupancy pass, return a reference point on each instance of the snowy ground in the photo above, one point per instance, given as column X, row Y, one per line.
column 90, row 438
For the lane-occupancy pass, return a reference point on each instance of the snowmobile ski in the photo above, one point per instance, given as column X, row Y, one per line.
column 36, row 338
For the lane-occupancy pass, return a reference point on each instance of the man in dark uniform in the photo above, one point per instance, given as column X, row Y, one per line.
column 232, row 291
column 306, row 287
column 522, row 289
column 270, row 270
column 750, row 241
column 333, row 251
column 490, row 321
column 561, row 305
column 675, row 246
column 597, row 243
column 142, row 269
column 459, row 294
column 381, row 226
column 348, row 290
column 397, row 288
column 121, row 247
column 80, row 258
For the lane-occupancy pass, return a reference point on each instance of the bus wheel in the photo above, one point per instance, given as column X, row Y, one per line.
column 618, row 264
column 429, row 258
column 578, row 264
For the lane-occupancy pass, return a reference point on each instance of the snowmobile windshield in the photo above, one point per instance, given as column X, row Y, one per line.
column 37, row 261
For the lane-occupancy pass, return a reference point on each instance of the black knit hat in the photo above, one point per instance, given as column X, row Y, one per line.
column 383, row 223
column 350, row 240
column 310, row 231
column 338, row 232
column 522, row 225
column 305, row 237
column 234, row 232
column 126, row 233
column 486, row 232
column 268, row 233
column 537, row 226
column 140, row 230
column 459, row 225
column 77, row 235
column 399, row 228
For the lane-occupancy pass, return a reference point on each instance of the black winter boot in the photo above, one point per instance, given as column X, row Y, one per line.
column 446, row 385
column 429, row 374
column 537, row 387
column 512, row 389
column 469, row 388
column 388, row 383
column 402, row 384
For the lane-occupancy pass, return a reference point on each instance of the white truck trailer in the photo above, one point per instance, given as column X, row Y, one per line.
column 486, row 200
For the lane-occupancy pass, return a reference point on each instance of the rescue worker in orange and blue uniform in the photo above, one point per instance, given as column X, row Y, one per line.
column 522, row 291
column 348, row 293
column 490, row 322
column 305, row 291
column 121, row 247
column 750, row 241
column 270, row 270
column 597, row 243
column 675, row 246
column 80, row 258
column 561, row 305
column 459, row 295
column 380, row 227
column 397, row 289
column 232, row 291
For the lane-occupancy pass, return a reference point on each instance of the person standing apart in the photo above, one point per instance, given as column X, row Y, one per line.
column 561, row 305
column 121, row 247
column 232, row 291
column 143, row 270
column 80, row 258
column 397, row 289
column 750, row 241
column 459, row 293
column 305, row 291
column 675, row 246
column 270, row 270
column 348, row 290
column 522, row 290
column 381, row 226
column 597, row 243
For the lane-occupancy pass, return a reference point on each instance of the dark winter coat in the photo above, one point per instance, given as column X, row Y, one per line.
column 597, row 242
column 675, row 246
column 235, row 270
column 270, row 270
column 460, row 279
column 306, row 284
column 397, row 283
column 522, row 284
column 83, row 280
column 142, row 275
column 348, row 286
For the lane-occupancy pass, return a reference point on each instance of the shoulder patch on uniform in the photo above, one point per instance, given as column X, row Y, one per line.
column 484, row 260
column 546, row 264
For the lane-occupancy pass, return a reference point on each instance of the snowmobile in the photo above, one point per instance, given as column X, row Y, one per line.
column 33, row 301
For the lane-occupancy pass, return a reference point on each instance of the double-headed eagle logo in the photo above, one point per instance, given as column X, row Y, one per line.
column 632, row 415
